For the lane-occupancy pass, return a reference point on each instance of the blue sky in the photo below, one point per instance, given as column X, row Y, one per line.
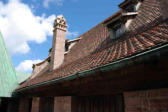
column 27, row 24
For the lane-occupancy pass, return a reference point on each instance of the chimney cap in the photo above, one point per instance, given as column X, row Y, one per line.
column 60, row 20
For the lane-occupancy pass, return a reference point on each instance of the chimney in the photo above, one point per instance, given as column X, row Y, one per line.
column 58, row 44
column 164, row 9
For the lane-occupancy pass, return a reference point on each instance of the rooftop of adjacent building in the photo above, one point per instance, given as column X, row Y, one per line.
column 96, row 48
column 9, row 78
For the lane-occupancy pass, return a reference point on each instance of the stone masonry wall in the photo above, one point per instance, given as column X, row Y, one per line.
column 46, row 104
column 35, row 104
column 24, row 105
column 146, row 101
column 62, row 104
column 39, row 68
column 164, row 4
column 58, row 49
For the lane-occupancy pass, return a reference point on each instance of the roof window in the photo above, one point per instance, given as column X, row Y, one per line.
column 117, row 31
column 70, row 43
column 119, row 23
column 130, row 5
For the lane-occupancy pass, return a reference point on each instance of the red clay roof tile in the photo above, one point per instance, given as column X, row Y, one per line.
column 96, row 48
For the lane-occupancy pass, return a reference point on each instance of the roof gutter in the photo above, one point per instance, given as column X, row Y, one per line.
column 108, row 67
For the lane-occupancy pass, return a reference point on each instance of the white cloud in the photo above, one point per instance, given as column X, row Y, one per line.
column 26, row 66
column 47, row 2
column 72, row 34
column 19, row 26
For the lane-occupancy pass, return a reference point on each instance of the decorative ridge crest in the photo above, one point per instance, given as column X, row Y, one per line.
column 60, row 23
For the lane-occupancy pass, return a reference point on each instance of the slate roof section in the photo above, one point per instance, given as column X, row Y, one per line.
column 95, row 48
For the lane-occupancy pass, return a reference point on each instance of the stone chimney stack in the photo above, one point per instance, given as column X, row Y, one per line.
column 58, row 44
column 164, row 9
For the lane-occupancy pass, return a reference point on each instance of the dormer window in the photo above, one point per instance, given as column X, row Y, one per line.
column 137, row 6
column 119, row 23
column 130, row 5
column 70, row 43
column 117, row 31
column 133, row 7
column 67, row 46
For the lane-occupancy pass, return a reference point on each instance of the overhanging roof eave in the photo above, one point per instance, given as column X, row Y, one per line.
column 108, row 67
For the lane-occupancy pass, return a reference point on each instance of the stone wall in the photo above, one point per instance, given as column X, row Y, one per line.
column 58, row 49
column 164, row 4
column 13, row 104
column 113, row 103
column 39, row 67
column 58, row 44
column 24, row 105
column 46, row 104
column 35, row 104
column 146, row 101
column 62, row 104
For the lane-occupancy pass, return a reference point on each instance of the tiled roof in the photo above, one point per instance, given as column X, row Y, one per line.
column 96, row 48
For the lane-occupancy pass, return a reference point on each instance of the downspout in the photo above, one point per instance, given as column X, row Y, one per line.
column 108, row 67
